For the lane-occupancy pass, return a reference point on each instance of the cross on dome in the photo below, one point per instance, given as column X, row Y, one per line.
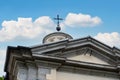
column 58, row 23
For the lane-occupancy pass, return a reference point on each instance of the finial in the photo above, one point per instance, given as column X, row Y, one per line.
column 58, row 28
column 58, row 24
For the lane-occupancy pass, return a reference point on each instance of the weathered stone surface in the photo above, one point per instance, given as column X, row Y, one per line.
column 32, row 73
column 22, row 74
column 42, row 72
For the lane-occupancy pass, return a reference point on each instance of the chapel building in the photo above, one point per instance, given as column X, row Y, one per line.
column 60, row 57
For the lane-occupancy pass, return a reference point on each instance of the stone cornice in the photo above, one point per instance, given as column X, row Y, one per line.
column 14, row 52
column 67, row 45
column 70, row 44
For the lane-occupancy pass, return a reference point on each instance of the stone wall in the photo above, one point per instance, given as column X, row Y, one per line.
column 32, row 72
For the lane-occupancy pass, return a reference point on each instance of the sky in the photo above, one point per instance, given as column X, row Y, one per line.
column 26, row 22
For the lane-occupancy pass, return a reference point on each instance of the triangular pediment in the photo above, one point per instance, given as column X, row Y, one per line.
column 89, row 55
column 84, row 49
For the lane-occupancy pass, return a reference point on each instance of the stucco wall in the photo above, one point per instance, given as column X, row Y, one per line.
column 76, row 76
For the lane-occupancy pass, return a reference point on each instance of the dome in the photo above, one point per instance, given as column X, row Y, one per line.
column 56, row 36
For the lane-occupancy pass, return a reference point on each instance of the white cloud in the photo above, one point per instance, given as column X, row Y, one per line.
column 81, row 20
column 2, row 61
column 25, row 27
column 112, row 39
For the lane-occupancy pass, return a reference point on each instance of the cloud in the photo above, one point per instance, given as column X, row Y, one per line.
column 112, row 39
column 81, row 20
column 29, row 29
column 25, row 27
column 2, row 61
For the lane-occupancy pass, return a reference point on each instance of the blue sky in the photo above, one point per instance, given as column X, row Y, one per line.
column 97, row 18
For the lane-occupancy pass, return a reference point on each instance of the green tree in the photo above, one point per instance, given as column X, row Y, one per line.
column 1, row 78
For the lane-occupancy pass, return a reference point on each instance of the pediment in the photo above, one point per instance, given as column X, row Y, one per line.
column 89, row 55
column 88, row 58
column 84, row 49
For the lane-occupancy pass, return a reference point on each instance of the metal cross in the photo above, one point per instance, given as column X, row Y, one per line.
column 58, row 24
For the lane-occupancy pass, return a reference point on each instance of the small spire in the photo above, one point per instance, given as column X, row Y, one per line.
column 58, row 24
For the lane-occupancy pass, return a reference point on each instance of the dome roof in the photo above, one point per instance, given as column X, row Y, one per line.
column 56, row 36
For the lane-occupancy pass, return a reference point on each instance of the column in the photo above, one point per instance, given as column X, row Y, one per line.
column 42, row 73
column 22, row 74
column 32, row 72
